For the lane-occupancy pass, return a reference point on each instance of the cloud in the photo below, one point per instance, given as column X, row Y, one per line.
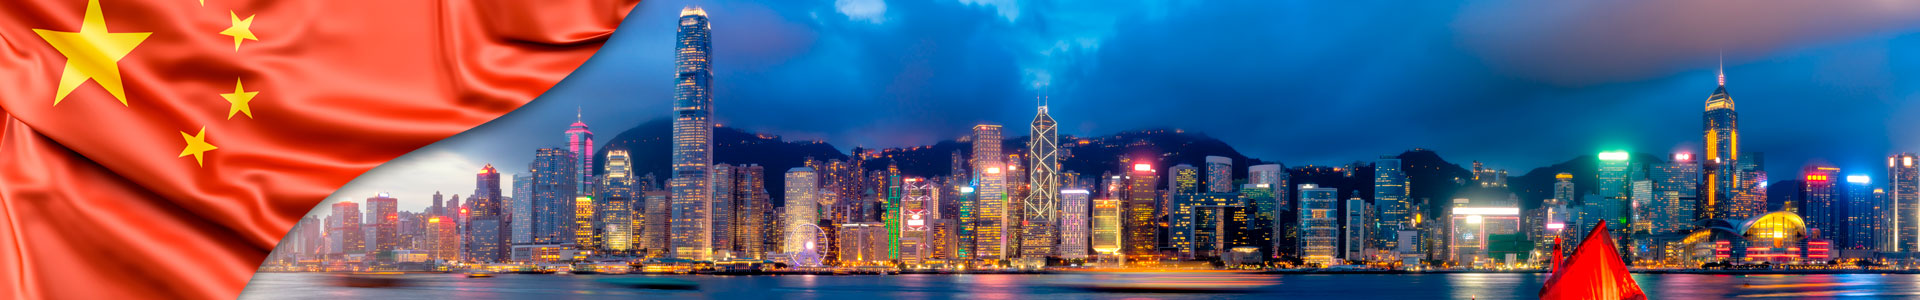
column 415, row 177
column 874, row 11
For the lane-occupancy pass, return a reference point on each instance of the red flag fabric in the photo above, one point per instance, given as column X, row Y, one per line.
column 160, row 149
column 1594, row 271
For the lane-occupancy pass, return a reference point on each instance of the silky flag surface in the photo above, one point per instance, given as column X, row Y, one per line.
column 1594, row 272
column 160, row 149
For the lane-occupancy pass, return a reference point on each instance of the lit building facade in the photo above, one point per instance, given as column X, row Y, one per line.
column 1473, row 228
column 1075, row 232
column 553, row 193
column 385, row 212
column 1676, row 193
column 917, row 211
column 1319, row 216
column 1903, row 195
column 1183, row 179
column 1820, row 202
column 1858, row 224
column 1105, row 226
column 1723, row 151
column 1219, row 174
column 692, row 138
column 1042, row 203
column 1142, row 235
column 616, row 202
column 1390, row 200
column 802, row 208
column 487, row 228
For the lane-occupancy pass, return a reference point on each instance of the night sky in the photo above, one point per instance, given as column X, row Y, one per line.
column 1515, row 84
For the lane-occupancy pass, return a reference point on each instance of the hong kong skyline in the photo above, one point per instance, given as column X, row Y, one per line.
column 1434, row 76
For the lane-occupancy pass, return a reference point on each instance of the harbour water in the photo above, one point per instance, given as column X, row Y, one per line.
column 1065, row 287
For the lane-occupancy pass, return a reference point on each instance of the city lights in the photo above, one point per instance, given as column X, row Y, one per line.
column 1859, row 179
column 1615, row 155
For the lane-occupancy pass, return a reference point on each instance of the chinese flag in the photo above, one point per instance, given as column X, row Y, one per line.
column 1594, row 271
column 161, row 148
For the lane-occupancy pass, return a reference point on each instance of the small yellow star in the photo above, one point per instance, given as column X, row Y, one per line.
column 93, row 53
column 242, row 29
column 238, row 100
column 197, row 146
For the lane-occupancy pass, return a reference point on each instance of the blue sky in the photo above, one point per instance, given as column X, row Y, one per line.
column 1515, row 84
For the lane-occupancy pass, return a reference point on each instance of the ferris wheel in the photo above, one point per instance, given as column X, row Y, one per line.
column 813, row 250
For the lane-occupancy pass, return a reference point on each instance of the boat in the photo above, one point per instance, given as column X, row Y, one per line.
column 480, row 274
column 1593, row 271
column 652, row 283
column 372, row 280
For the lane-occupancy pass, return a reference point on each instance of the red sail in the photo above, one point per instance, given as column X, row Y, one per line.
column 1594, row 271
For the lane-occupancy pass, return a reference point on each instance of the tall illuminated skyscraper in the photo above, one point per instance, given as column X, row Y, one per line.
column 917, row 210
column 385, row 212
column 1105, row 227
column 802, row 208
column 616, row 207
column 1074, row 230
column 580, row 142
column 1043, row 188
column 751, row 214
column 1142, row 234
column 487, row 229
column 1319, row 216
column 692, row 137
column 989, row 196
column 1857, row 224
column 1676, row 189
column 725, row 193
column 345, row 228
column 1820, row 205
column 1219, row 174
column 1183, row 179
column 1390, row 198
column 1614, row 185
column 553, row 192
column 1903, row 195
column 520, row 210
column 1723, row 152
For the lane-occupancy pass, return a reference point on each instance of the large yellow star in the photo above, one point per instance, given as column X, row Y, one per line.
column 197, row 146
column 242, row 29
column 92, row 53
column 238, row 100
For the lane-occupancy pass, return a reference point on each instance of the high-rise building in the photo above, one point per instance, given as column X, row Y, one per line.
column 1903, row 197
column 1075, row 235
column 916, row 215
column 1355, row 236
column 385, row 212
column 580, row 143
column 654, row 237
column 1676, row 197
column 751, row 213
column 346, row 221
column 1183, row 179
column 1275, row 179
column 1390, row 199
column 1219, row 174
column 692, row 138
column 989, row 195
column 520, row 210
column 443, row 239
column 1819, row 204
column 616, row 207
column 1723, row 152
column 1318, row 230
column 1142, row 234
column 487, row 231
column 1105, row 227
column 553, row 192
column 1613, row 184
column 1043, row 188
column 1857, row 223
column 1200, row 223
column 802, row 209
column 725, row 190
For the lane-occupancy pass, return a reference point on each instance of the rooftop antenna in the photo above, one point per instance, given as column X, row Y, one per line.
column 1722, row 70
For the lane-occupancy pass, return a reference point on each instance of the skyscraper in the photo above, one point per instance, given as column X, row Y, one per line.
column 616, row 207
column 1105, row 236
column 692, row 137
column 1183, row 179
column 916, row 214
column 385, row 212
column 1219, row 174
column 346, row 223
column 1390, row 198
column 1903, row 196
column 1043, row 188
column 751, row 213
column 990, row 226
column 1277, row 205
column 1857, row 224
column 1318, row 229
column 580, row 142
column 725, row 190
column 802, row 208
column 1723, row 152
column 1614, row 185
column 520, row 210
column 655, row 237
column 1819, row 207
column 1142, row 234
column 1676, row 195
column 1074, row 231
column 553, row 192
column 487, row 231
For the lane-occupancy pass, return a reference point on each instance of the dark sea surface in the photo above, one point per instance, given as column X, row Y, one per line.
column 1071, row 286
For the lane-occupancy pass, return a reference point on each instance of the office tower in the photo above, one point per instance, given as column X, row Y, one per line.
column 725, row 192
column 1856, row 223
column 750, row 211
column 1723, row 151
column 1354, row 236
column 1043, row 188
column 655, row 237
column 916, row 212
column 1820, row 201
column 1676, row 195
column 580, row 143
column 1075, row 238
column 487, row 231
column 583, row 220
column 1219, row 174
column 1142, row 235
column 1262, row 214
column 1390, row 198
column 802, row 209
column 1903, row 197
column 1200, row 223
column 1613, row 184
column 967, row 218
column 890, row 207
column 443, row 238
column 1318, row 214
column 1275, row 178
column 520, row 210
column 1474, row 225
column 990, row 225
column 1183, row 179
column 1750, row 194
column 1641, row 205
column 692, row 138
column 385, row 212
column 346, row 221
column 553, row 192
column 438, row 204
column 616, row 202
column 1106, row 223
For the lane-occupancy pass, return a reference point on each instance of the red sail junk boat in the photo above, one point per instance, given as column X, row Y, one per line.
column 1594, row 271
